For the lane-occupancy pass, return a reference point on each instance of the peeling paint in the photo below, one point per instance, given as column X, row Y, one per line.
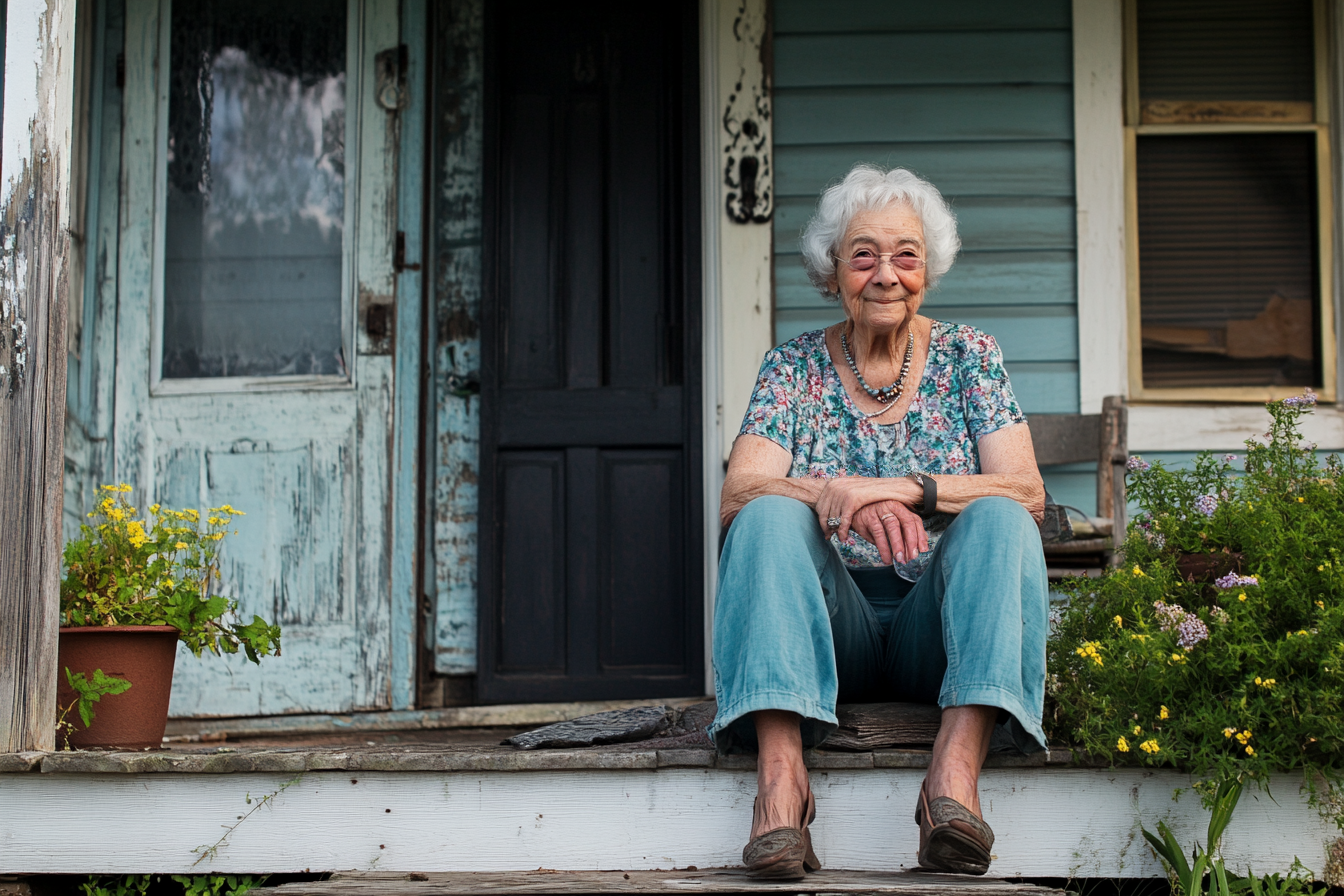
column 458, row 110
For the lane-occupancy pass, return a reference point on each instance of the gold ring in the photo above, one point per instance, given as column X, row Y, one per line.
column 887, row 517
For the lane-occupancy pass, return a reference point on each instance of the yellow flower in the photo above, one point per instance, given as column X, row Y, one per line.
column 1149, row 746
column 1138, row 729
column 154, row 508
column 1267, row 683
column 1250, row 506
column 1139, row 572
column 1320, row 604
column 123, row 487
column 1244, row 736
column 1138, row 637
column 136, row 531
column 1241, row 596
column 1228, row 732
column 192, row 515
column 1119, row 621
column 1122, row 745
column 216, row 537
column 1090, row 649
column 1320, row 568
column 181, row 545
column 1300, row 500
column 1163, row 713
column 1250, row 750
column 1178, row 658
column 214, row 521
column 115, row 514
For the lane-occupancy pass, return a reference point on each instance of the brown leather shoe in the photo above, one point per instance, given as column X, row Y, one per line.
column 784, row 853
column 952, row 838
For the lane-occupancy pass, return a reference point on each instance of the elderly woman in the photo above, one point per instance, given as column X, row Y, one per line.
column 883, row 498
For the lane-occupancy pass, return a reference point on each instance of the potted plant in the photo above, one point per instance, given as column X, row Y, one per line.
column 133, row 588
column 1233, row 672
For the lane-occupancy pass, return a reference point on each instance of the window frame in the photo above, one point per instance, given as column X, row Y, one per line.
column 354, row 111
column 1320, row 126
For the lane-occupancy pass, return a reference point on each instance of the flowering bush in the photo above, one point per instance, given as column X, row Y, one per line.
column 159, row 570
column 1238, row 673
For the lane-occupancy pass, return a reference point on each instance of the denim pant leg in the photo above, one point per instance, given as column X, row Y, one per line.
column 973, row 629
column 790, row 625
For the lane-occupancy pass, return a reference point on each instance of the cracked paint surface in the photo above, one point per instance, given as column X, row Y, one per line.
column 458, row 111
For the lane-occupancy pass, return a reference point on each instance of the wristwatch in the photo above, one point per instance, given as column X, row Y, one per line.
column 930, row 487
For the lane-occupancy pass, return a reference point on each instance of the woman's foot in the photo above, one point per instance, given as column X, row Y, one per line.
column 781, row 845
column 953, row 836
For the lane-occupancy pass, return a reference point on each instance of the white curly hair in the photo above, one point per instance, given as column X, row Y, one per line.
column 868, row 187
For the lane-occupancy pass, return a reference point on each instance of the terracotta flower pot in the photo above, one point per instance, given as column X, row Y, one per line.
column 143, row 655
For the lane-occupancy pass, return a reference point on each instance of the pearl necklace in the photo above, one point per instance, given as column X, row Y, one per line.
column 888, row 395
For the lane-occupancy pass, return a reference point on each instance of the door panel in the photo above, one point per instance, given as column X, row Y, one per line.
column 590, row 563
column 303, row 451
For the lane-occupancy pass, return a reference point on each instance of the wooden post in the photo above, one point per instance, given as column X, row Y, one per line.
column 34, row 256
column 1111, row 469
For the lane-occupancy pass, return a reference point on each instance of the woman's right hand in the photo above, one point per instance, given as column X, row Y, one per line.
column 895, row 529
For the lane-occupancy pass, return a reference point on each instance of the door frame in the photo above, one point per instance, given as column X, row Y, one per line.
column 697, row 405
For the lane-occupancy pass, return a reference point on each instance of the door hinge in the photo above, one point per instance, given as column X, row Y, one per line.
column 399, row 255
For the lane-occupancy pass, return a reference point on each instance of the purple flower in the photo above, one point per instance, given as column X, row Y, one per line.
column 1136, row 463
column 1169, row 616
column 1306, row 399
column 1232, row 580
column 1191, row 631
column 1206, row 504
column 1228, row 458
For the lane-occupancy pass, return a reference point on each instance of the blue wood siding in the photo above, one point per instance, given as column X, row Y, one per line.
column 978, row 98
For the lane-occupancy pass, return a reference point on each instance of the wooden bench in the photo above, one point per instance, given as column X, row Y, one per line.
column 1087, row 438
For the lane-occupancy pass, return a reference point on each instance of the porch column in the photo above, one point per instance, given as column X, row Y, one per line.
column 34, row 283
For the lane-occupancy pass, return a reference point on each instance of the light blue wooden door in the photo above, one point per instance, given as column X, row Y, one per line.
column 254, row 351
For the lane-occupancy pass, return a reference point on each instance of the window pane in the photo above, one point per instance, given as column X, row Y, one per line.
column 256, row 188
column 1227, row 259
column 1226, row 50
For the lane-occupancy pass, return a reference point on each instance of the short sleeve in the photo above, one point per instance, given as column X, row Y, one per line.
column 773, row 410
column 990, row 403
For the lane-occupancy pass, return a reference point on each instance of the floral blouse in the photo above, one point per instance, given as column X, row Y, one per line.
column 800, row 404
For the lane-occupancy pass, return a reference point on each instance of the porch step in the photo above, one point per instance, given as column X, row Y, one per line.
column 655, row 883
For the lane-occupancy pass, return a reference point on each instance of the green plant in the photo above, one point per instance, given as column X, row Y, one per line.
column 191, row 884
column 1231, row 678
column 1206, row 872
column 87, row 693
column 160, row 570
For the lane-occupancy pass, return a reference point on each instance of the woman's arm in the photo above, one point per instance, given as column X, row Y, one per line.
column 756, row 467
column 1008, row 466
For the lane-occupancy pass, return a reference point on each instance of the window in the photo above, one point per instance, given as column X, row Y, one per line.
column 253, row 218
column 1229, row 202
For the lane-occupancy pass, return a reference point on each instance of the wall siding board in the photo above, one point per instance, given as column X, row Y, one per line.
column 980, row 97
column 922, row 113
column 978, row 278
column 861, row 17
column 986, row 224
column 1025, row 168
column 921, row 57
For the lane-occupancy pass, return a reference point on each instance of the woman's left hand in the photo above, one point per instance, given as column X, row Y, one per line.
column 842, row 497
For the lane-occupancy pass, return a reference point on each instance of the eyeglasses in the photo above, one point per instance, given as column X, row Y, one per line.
column 865, row 260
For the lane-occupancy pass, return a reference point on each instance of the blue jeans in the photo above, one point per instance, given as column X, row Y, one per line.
column 795, row 630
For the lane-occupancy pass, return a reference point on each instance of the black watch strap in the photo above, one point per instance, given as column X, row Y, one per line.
column 930, row 487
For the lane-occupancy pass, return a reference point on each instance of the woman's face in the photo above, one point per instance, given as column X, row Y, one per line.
column 885, row 297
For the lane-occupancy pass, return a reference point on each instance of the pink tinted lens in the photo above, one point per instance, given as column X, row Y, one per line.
column 868, row 262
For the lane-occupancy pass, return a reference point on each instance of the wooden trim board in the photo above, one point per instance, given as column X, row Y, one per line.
column 1050, row 822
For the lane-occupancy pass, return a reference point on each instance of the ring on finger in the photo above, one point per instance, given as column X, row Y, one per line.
column 833, row 522
column 887, row 517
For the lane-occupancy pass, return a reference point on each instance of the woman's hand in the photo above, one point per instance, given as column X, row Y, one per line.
column 842, row 497
column 894, row 528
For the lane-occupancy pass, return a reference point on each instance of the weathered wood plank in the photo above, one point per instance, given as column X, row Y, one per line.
column 1051, row 822
column 34, row 286
column 721, row 880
